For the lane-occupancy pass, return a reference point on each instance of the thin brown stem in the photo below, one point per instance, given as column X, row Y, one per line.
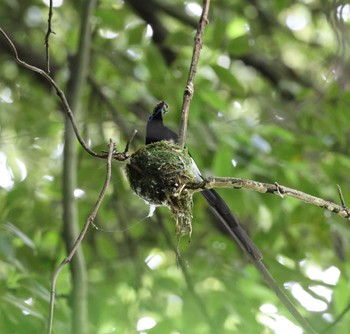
column 271, row 188
column 121, row 156
column 127, row 146
column 189, row 90
column 341, row 196
column 81, row 236
column 47, row 37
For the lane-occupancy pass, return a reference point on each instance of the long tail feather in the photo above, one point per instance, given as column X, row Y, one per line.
column 230, row 221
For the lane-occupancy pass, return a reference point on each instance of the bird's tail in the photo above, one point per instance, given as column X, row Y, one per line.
column 231, row 223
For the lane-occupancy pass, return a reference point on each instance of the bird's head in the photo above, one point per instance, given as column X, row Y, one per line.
column 159, row 110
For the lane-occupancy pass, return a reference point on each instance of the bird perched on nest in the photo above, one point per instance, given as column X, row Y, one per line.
column 156, row 131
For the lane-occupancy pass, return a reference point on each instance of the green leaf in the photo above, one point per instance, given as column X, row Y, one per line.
column 239, row 45
column 107, row 17
column 214, row 99
column 226, row 77
column 12, row 229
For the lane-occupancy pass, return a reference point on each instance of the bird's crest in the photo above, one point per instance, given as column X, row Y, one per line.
column 160, row 109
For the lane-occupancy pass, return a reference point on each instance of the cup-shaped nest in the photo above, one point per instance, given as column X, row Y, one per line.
column 159, row 174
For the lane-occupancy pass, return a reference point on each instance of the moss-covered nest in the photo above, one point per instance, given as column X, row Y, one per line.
column 159, row 173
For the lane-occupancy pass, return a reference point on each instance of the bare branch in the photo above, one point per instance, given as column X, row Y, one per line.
column 189, row 90
column 226, row 182
column 275, row 188
column 81, row 236
column 121, row 156
column 342, row 201
column 47, row 37
column 127, row 146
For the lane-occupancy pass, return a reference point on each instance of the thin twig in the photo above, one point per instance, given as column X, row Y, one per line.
column 282, row 296
column 127, row 146
column 342, row 201
column 189, row 90
column 121, row 156
column 47, row 37
column 269, row 188
column 88, row 222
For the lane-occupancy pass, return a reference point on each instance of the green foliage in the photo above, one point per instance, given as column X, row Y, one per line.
column 270, row 103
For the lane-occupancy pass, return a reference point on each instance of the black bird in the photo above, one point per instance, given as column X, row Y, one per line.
column 157, row 131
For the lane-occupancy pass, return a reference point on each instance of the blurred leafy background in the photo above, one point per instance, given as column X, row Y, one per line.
column 270, row 104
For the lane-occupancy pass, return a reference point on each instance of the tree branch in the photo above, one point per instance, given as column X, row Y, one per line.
column 189, row 90
column 121, row 156
column 47, row 37
column 272, row 188
column 81, row 236
column 77, row 81
column 259, row 265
